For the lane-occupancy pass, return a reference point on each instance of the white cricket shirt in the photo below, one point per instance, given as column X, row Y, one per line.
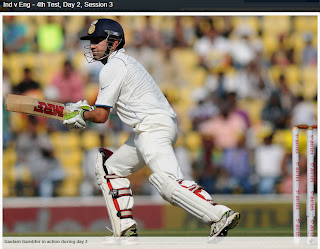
column 126, row 86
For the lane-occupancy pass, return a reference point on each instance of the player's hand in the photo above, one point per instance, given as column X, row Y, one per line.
column 71, row 107
column 76, row 120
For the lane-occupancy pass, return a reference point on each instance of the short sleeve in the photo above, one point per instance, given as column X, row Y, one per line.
column 110, row 82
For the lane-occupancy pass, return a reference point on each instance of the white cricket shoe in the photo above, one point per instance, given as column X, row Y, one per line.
column 228, row 221
column 130, row 232
column 128, row 237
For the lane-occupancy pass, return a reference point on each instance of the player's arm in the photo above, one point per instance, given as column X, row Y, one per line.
column 99, row 115
column 81, row 112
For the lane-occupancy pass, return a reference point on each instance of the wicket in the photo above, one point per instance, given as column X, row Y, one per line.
column 310, row 211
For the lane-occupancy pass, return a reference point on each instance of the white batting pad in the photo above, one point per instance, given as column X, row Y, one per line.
column 189, row 196
column 118, row 197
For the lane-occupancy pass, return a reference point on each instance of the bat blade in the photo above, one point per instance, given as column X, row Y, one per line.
column 34, row 106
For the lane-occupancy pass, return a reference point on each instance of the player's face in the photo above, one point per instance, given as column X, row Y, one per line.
column 98, row 47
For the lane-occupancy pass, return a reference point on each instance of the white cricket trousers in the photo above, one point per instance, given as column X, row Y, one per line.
column 150, row 144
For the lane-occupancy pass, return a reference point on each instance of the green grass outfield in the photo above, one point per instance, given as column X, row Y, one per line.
column 237, row 232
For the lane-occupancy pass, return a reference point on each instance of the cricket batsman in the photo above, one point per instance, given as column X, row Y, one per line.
column 126, row 88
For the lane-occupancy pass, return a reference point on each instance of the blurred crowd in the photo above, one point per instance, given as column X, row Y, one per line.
column 238, row 84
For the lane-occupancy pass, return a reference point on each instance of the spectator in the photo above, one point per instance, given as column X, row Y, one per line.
column 54, row 175
column 145, row 48
column 283, row 56
column 224, row 128
column 89, row 184
column 287, row 98
column 27, row 83
column 205, row 166
column 273, row 112
column 15, row 36
column 90, row 71
column 66, row 86
column 224, row 183
column 50, row 36
column 304, row 112
column 171, row 72
column 241, row 49
column 204, row 109
column 232, row 99
column 23, row 185
column 161, row 51
column 182, row 36
column 35, row 151
column 72, row 44
column 150, row 35
column 212, row 49
column 309, row 54
column 268, row 165
column 285, row 186
column 252, row 80
column 216, row 83
column 257, row 75
column 184, row 158
column 237, row 163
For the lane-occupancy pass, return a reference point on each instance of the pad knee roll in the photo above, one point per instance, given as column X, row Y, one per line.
column 189, row 196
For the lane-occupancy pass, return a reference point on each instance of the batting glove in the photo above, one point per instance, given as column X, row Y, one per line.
column 75, row 119
column 71, row 107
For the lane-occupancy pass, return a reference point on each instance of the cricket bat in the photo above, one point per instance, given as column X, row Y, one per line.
column 34, row 106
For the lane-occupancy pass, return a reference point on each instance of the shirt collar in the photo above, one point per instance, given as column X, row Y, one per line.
column 113, row 54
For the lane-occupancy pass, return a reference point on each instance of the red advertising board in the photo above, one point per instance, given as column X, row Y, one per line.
column 75, row 218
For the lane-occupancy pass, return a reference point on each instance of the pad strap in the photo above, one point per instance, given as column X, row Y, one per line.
column 116, row 193
column 125, row 213
column 113, row 176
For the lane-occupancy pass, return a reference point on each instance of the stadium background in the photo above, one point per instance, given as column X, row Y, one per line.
column 206, row 66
